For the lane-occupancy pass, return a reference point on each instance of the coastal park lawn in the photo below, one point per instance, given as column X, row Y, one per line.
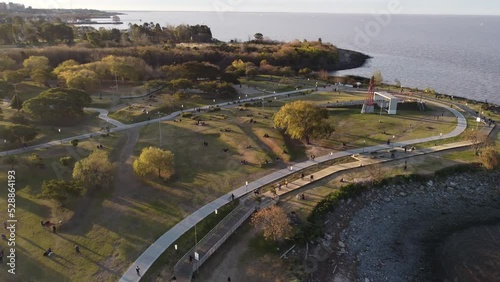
column 119, row 223
column 94, row 238
column 89, row 123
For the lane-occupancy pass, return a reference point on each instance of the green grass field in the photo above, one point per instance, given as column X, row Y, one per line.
column 114, row 226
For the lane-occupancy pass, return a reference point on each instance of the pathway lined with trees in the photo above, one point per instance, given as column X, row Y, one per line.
column 152, row 253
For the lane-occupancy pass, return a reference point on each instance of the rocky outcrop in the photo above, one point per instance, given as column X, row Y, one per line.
column 348, row 59
column 393, row 233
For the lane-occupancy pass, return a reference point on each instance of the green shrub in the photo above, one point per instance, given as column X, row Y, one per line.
column 35, row 161
column 66, row 161
column 74, row 142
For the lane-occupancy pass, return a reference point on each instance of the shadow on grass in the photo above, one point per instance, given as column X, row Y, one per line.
column 30, row 269
column 33, row 207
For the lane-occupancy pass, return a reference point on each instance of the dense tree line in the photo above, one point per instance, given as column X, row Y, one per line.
column 296, row 55
column 17, row 30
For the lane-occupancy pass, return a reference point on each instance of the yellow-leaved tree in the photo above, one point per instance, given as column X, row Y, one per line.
column 154, row 160
column 95, row 170
column 302, row 120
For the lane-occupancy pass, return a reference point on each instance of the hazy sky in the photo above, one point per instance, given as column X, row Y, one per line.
column 477, row 7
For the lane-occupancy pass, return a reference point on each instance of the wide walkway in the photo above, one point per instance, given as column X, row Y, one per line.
column 149, row 256
column 185, row 269
column 103, row 114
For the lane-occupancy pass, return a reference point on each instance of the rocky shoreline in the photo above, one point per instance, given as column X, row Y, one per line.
column 392, row 233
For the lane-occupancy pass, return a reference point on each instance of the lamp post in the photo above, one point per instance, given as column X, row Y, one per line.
column 59, row 130
column 392, row 143
column 159, row 127
column 380, row 116
column 182, row 108
column 246, row 186
column 364, row 143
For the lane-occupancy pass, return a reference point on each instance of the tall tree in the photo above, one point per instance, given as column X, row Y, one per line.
column 38, row 68
column 13, row 77
column 489, row 157
column 273, row 222
column 58, row 105
column 16, row 102
column 84, row 79
column 154, row 160
column 302, row 120
column 377, row 77
column 94, row 171
column 19, row 133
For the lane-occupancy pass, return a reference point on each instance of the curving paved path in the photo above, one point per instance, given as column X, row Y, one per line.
column 103, row 114
column 149, row 256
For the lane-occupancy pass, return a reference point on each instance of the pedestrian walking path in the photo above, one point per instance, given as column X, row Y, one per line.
column 186, row 267
column 149, row 256
column 103, row 114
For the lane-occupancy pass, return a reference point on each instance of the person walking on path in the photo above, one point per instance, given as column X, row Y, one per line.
column 228, row 279
column 138, row 270
column 54, row 229
column 77, row 249
column 286, row 183
column 311, row 178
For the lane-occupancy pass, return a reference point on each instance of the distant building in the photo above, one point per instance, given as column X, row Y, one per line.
column 11, row 6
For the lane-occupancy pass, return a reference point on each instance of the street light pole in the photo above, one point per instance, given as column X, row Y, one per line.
column 159, row 127
column 116, row 90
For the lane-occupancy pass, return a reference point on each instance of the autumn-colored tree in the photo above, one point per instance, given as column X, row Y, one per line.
column 181, row 83
column 273, row 222
column 302, row 120
column 127, row 68
column 376, row 172
column 377, row 77
column 84, row 79
column 154, row 160
column 65, row 66
column 94, row 171
column 489, row 157
column 13, row 77
column 35, row 64
column 477, row 139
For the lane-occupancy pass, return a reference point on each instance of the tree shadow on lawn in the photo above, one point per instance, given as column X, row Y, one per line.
column 33, row 207
column 29, row 269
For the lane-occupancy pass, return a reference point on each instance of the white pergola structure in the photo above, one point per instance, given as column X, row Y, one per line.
column 387, row 101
